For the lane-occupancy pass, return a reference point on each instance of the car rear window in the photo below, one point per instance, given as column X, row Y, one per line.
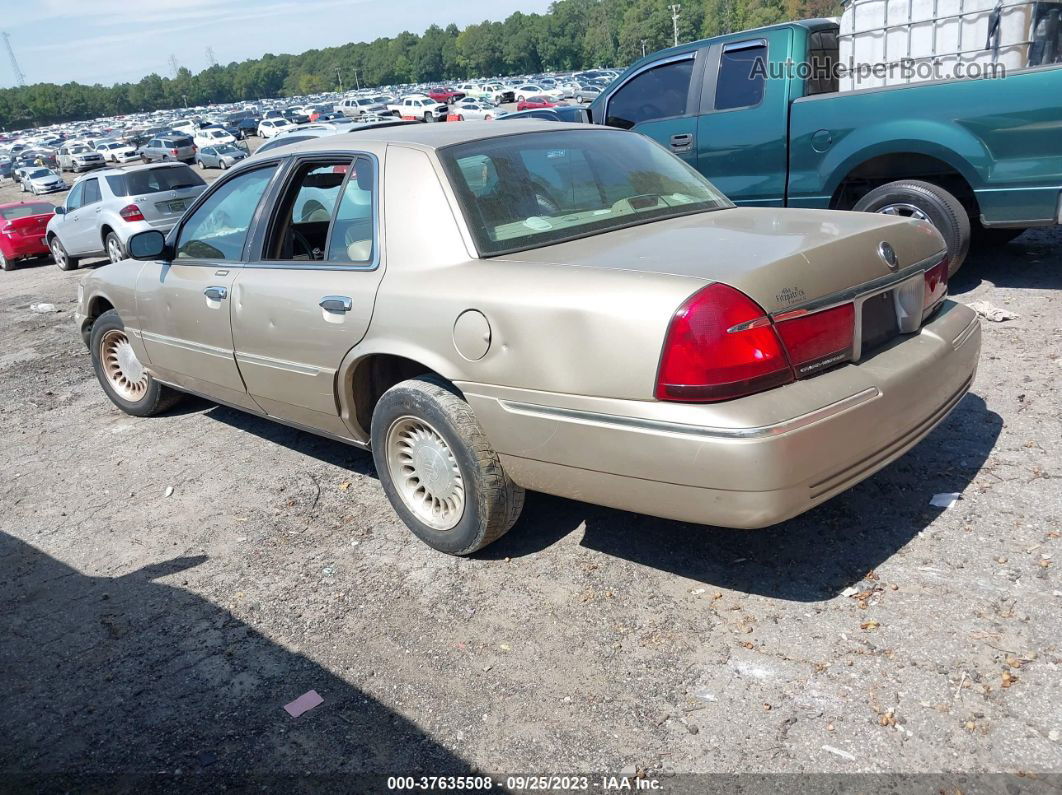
column 26, row 210
column 176, row 143
column 534, row 189
column 153, row 180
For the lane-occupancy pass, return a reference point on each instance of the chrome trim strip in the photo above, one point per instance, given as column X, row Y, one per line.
column 188, row 345
column 663, row 426
column 966, row 333
column 278, row 364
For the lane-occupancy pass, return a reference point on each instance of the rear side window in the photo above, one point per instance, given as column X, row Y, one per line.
column 177, row 143
column 154, row 180
column 25, row 210
column 657, row 93
column 92, row 192
column 740, row 83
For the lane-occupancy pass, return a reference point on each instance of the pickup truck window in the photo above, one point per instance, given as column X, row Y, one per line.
column 218, row 227
column 656, row 93
column 534, row 189
column 737, row 86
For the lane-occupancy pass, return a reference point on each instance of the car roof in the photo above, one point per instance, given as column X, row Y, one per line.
column 435, row 136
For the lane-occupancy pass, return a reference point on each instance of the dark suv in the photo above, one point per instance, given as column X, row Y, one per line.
column 168, row 148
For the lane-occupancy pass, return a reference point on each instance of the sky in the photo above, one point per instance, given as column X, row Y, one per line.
column 113, row 41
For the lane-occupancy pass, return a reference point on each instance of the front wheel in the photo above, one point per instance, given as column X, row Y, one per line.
column 62, row 259
column 123, row 378
column 438, row 469
column 5, row 263
column 912, row 198
column 201, row 164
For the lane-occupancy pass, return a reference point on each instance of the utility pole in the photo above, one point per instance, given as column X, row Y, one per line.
column 19, row 77
column 357, row 82
column 643, row 47
column 174, row 67
column 340, row 76
column 675, row 8
column 211, row 59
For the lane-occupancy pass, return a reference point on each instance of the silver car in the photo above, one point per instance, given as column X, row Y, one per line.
column 41, row 180
column 103, row 210
column 220, row 156
column 78, row 157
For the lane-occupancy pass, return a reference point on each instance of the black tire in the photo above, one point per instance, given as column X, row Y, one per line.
column 112, row 240
column 983, row 236
column 942, row 209
column 156, row 399
column 201, row 164
column 492, row 501
column 60, row 257
column 5, row 263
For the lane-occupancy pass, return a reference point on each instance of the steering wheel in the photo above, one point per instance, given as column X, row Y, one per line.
column 300, row 239
column 545, row 200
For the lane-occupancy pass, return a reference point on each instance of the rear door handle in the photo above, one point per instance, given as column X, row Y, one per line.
column 682, row 142
column 216, row 293
column 336, row 303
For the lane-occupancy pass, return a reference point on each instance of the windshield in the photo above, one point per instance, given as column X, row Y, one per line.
column 26, row 210
column 227, row 149
column 40, row 172
column 534, row 189
column 156, row 180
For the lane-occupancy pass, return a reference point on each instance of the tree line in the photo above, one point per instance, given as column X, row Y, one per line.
column 572, row 34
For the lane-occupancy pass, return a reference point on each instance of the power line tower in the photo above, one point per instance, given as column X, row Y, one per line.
column 19, row 77
column 675, row 9
column 174, row 66
column 211, row 58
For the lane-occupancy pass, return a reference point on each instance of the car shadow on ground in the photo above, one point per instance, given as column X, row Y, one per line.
column 809, row 558
column 131, row 676
column 1032, row 260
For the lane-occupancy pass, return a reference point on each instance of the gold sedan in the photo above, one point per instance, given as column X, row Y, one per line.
column 563, row 308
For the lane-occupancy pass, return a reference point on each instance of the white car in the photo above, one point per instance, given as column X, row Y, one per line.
column 468, row 109
column 267, row 128
column 117, row 152
column 526, row 90
column 213, row 136
column 419, row 106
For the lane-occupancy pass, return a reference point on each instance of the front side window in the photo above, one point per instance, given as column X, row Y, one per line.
column 657, row 93
column 740, row 83
column 534, row 189
column 218, row 228
column 74, row 200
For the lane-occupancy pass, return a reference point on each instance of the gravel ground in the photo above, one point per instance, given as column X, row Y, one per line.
column 147, row 630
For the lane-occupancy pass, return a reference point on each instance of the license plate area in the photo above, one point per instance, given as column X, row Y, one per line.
column 174, row 206
column 878, row 322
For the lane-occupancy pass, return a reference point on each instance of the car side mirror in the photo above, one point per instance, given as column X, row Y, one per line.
column 60, row 210
column 149, row 245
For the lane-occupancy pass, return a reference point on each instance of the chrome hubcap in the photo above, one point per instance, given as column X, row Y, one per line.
column 425, row 473
column 123, row 370
column 905, row 210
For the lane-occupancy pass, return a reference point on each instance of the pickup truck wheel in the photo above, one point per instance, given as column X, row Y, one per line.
column 129, row 386
column 438, row 470
column 914, row 198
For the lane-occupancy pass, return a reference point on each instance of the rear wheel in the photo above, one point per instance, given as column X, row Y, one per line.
column 438, row 470
column 62, row 259
column 925, row 201
column 123, row 378
column 5, row 263
column 115, row 253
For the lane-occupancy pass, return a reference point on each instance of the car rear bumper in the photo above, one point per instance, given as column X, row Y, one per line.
column 25, row 246
column 747, row 463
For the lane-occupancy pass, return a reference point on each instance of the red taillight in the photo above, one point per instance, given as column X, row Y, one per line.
column 720, row 345
column 817, row 340
column 173, row 152
column 936, row 285
column 131, row 213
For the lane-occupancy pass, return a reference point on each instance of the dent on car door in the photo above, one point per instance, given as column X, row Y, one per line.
column 306, row 299
column 184, row 303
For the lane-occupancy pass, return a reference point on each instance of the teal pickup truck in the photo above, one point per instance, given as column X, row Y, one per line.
column 979, row 158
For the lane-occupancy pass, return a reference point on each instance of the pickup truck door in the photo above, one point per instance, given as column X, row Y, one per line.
column 306, row 296
column 184, row 304
column 743, row 126
column 660, row 100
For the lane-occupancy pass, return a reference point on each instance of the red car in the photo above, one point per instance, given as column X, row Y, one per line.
column 22, row 226
column 534, row 103
column 446, row 95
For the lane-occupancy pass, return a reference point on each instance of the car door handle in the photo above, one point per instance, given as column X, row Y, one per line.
column 216, row 293
column 336, row 303
column 681, row 142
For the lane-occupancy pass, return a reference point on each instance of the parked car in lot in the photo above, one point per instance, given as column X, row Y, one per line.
column 103, row 210
column 78, row 157
column 117, row 151
column 572, row 113
column 267, row 128
column 169, row 148
column 22, row 229
column 587, row 93
column 41, row 180
column 445, row 94
column 222, row 156
column 535, row 103
column 473, row 109
column 354, row 107
column 419, row 107
column 213, row 136
column 703, row 362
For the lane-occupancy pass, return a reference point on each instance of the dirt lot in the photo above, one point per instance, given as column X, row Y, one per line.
column 146, row 633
